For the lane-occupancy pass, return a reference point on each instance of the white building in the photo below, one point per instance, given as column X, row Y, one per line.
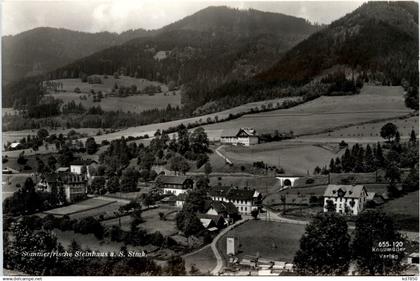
column 245, row 200
column 76, row 167
column 243, row 136
column 346, row 199
column 175, row 184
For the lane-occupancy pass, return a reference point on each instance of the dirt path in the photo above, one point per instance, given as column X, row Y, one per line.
column 223, row 156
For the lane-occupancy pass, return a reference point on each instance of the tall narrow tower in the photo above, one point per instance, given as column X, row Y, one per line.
column 232, row 245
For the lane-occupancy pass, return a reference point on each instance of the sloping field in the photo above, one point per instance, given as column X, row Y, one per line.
column 367, row 133
column 293, row 158
column 270, row 240
column 151, row 129
column 137, row 103
column 373, row 103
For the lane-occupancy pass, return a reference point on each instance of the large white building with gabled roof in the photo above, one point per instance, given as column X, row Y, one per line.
column 346, row 199
column 242, row 136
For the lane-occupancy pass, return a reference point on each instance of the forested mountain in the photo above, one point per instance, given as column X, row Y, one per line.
column 379, row 39
column 44, row 49
column 202, row 51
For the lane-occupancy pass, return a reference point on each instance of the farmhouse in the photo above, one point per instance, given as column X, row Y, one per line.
column 212, row 222
column 346, row 199
column 243, row 136
column 225, row 209
column 174, row 184
column 245, row 200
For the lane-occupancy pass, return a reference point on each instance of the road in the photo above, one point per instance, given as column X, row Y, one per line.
column 213, row 246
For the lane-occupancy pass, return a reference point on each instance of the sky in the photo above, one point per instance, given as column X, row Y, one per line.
column 120, row 15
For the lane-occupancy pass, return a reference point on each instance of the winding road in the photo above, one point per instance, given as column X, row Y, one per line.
column 213, row 246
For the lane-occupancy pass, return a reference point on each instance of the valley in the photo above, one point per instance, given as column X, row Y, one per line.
column 229, row 142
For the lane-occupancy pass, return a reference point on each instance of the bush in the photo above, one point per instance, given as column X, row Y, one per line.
column 89, row 225
column 310, row 181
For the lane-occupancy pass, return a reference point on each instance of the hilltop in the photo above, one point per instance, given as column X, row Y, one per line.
column 43, row 49
column 379, row 39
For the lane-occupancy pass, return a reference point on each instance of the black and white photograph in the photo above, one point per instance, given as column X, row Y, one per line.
column 209, row 138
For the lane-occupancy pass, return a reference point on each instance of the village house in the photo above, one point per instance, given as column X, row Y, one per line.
column 74, row 185
column 174, row 184
column 245, row 200
column 84, row 166
column 243, row 136
column 225, row 209
column 346, row 199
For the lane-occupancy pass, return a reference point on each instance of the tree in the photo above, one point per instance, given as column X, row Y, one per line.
column 392, row 173
column 113, row 184
column 179, row 164
column 413, row 138
column 51, row 161
column 65, row 157
column 397, row 137
column 373, row 228
column 347, row 161
column 199, row 141
column 91, row 146
column 388, row 131
column 42, row 134
column 324, row 248
column 379, row 157
column 370, row 165
column 330, row 206
column 129, row 180
column 98, row 186
column 254, row 213
column 176, row 266
column 207, row 169
column 411, row 182
column 412, row 98
column 332, row 166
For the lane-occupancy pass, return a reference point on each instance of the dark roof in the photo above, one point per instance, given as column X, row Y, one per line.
column 240, row 194
column 348, row 191
column 78, row 162
column 219, row 191
column 224, row 207
column 177, row 180
column 216, row 219
column 235, row 132
column 232, row 193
